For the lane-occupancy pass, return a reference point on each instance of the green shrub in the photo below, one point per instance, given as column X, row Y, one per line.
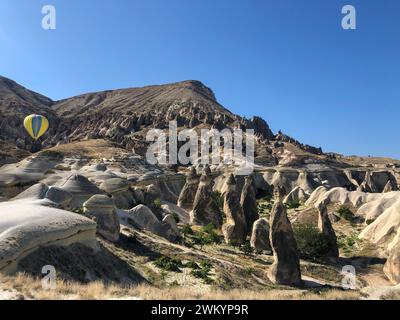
column 200, row 239
column 176, row 217
column 206, row 264
column 203, row 272
column 208, row 228
column 346, row 213
column 206, row 236
column 157, row 203
column 169, row 264
column 211, row 235
column 369, row 221
column 249, row 271
column 293, row 205
column 246, row 248
column 78, row 210
column 192, row 265
column 264, row 209
column 186, row 230
column 219, row 199
column 348, row 243
column 311, row 243
column 234, row 243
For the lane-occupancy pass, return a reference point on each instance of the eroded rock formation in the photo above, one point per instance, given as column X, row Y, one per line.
column 102, row 209
column 325, row 227
column 235, row 228
column 248, row 202
column 205, row 209
column 259, row 240
column 286, row 267
column 392, row 265
column 188, row 193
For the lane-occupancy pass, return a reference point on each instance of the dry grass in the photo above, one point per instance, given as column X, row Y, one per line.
column 31, row 288
column 93, row 149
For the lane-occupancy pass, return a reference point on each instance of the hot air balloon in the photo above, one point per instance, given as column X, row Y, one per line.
column 36, row 125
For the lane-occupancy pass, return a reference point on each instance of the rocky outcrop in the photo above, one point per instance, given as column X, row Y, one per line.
column 261, row 128
column 80, row 188
column 325, row 227
column 248, row 202
column 119, row 190
column 341, row 196
column 142, row 218
column 382, row 230
column 259, row 240
column 392, row 265
column 286, row 267
column 378, row 181
column 234, row 229
column 51, row 196
column 102, row 209
column 296, row 196
column 171, row 228
column 188, row 193
column 390, row 186
column 26, row 226
column 205, row 209
column 15, row 177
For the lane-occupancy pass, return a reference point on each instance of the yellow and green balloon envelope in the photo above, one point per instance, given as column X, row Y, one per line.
column 36, row 125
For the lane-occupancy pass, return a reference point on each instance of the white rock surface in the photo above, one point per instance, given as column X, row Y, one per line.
column 25, row 226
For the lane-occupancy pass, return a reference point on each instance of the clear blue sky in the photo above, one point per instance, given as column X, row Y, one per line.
column 287, row 61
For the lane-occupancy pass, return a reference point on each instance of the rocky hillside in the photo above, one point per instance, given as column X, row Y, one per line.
column 124, row 116
column 121, row 116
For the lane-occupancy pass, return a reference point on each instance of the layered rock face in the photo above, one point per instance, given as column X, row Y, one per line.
column 205, row 209
column 235, row 227
column 325, row 227
column 188, row 193
column 26, row 226
column 248, row 202
column 259, row 240
column 286, row 267
column 102, row 209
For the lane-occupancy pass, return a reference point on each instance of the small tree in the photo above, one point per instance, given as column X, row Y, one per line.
column 157, row 203
column 346, row 213
column 218, row 198
column 311, row 243
column 246, row 248
column 176, row 217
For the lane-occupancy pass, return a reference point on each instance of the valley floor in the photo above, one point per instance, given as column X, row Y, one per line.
column 233, row 275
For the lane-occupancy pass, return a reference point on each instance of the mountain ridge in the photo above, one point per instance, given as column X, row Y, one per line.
column 119, row 115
